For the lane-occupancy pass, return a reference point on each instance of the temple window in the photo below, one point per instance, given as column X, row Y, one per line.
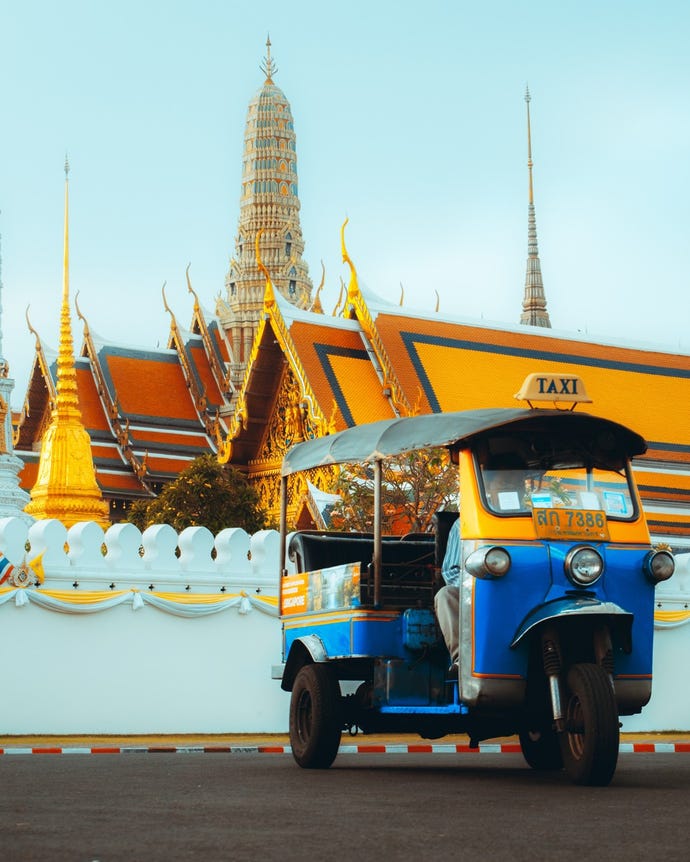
column 293, row 287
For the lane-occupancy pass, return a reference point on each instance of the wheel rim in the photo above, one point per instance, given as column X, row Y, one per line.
column 304, row 716
column 575, row 726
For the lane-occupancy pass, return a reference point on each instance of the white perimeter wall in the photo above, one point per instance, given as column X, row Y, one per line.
column 138, row 668
column 124, row 671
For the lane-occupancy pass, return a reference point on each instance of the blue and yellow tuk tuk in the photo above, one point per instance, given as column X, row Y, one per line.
column 555, row 594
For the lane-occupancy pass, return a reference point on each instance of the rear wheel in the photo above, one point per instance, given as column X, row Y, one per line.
column 591, row 738
column 541, row 748
column 315, row 717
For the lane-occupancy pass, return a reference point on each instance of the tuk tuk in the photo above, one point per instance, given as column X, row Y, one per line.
column 556, row 590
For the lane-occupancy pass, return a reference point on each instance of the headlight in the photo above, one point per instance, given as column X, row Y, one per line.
column 491, row 562
column 659, row 566
column 584, row 565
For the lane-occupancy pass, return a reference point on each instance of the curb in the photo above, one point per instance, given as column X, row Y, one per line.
column 419, row 748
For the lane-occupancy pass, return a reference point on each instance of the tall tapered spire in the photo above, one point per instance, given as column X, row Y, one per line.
column 66, row 487
column 534, row 311
column 269, row 202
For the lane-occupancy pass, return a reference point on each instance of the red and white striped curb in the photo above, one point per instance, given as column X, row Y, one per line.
column 385, row 748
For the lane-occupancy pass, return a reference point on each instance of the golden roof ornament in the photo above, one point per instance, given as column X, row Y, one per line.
column 66, row 487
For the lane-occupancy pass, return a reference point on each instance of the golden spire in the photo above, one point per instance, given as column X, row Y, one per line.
column 67, row 399
column 66, row 487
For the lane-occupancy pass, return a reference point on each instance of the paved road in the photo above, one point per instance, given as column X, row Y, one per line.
column 261, row 806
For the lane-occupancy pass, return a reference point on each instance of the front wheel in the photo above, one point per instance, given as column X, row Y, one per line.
column 315, row 717
column 591, row 738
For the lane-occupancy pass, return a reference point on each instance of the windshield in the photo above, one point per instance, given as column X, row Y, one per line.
column 511, row 491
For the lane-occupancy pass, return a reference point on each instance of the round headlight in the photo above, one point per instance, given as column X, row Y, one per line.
column 659, row 566
column 491, row 562
column 497, row 561
column 584, row 566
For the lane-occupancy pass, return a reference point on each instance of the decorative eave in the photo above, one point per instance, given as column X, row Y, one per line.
column 111, row 407
column 271, row 316
column 43, row 363
column 316, row 306
column 26, row 424
column 220, row 374
column 356, row 307
column 176, row 341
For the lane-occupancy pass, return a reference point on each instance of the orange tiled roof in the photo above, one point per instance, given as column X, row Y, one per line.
column 168, row 440
column 167, row 467
column 90, row 405
column 339, row 369
column 455, row 366
column 126, row 484
column 147, row 385
column 219, row 342
column 29, row 472
column 201, row 367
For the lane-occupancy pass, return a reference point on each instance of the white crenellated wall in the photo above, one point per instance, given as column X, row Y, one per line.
column 95, row 650
column 142, row 640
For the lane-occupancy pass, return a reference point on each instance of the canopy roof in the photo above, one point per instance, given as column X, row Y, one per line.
column 390, row 437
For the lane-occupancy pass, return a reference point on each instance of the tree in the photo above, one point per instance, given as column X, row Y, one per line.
column 206, row 494
column 413, row 487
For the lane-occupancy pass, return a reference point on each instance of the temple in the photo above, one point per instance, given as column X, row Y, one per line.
column 267, row 367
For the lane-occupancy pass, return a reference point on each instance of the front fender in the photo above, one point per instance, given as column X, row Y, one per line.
column 577, row 606
column 304, row 650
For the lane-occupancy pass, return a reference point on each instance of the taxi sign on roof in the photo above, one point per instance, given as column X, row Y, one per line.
column 568, row 388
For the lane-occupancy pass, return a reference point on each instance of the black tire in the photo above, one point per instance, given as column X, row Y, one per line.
column 541, row 749
column 315, row 717
column 591, row 738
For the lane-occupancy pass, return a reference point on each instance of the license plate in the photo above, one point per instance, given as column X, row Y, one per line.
column 567, row 524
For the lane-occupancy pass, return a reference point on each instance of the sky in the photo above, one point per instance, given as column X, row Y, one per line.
column 410, row 121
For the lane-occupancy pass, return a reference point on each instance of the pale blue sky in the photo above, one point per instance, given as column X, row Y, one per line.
column 410, row 119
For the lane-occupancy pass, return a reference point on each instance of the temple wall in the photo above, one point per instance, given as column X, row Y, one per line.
column 140, row 640
column 94, row 650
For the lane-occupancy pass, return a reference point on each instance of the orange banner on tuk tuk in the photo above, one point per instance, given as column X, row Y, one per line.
column 334, row 588
column 568, row 524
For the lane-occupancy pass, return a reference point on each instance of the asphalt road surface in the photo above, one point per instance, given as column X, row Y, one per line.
column 201, row 806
